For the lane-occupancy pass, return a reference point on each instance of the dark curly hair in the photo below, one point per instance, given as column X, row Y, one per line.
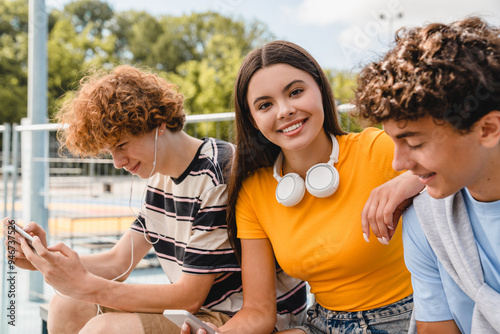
column 449, row 72
column 111, row 104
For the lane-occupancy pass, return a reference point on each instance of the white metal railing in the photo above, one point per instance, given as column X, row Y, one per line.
column 11, row 168
column 190, row 119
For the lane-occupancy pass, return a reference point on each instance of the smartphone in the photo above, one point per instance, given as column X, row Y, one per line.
column 178, row 317
column 25, row 235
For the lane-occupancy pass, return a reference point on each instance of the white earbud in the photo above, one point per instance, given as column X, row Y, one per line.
column 156, row 140
column 322, row 180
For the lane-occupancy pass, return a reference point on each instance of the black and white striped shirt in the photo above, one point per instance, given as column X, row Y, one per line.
column 185, row 219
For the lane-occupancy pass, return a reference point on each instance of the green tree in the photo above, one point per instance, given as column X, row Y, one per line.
column 84, row 13
column 80, row 38
column 200, row 52
column 344, row 87
column 13, row 60
column 136, row 35
column 166, row 42
column 218, row 47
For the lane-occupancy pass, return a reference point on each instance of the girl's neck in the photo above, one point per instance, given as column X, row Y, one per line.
column 299, row 162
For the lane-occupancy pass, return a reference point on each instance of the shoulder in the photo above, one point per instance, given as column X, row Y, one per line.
column 216, row 150
column 411, row 224
column 370, row 150
column 368, row 135
column 369, row 140
column 213, row 158
column 418, row 213
column 414, row 239
column 258, row 188
column 260, row 177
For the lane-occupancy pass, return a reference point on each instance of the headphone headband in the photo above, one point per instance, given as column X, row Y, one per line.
column 322, row 179
column 334, row 158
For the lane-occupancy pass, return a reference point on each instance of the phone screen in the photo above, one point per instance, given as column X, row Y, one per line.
column 29, row 238
column 178, row 317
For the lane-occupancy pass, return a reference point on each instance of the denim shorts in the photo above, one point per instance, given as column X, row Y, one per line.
column 389, row 319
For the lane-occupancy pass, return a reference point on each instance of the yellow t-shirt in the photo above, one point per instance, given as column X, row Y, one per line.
column 320, row 239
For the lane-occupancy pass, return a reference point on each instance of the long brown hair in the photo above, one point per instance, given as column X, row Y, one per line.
column 253, row 150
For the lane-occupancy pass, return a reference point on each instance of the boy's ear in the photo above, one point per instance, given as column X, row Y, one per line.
column 162, row 128
column 490, row 129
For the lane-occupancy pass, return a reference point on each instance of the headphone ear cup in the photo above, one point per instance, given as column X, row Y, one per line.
column 322, row 180
column 290, row 189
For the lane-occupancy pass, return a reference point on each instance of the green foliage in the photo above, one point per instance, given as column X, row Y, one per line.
column 13, row 60
column 79, row 38
column 344, row 87
column 200, row 52
column 89, row 13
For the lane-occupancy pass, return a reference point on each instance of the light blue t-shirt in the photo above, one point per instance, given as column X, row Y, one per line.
column 436, row 296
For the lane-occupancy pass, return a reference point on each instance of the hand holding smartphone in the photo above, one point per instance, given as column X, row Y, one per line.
column 178, row 317
column 29, row 238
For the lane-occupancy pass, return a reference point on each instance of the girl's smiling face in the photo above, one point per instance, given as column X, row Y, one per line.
column 286, row 106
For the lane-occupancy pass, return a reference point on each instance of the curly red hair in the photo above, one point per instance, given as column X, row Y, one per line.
column 449, row 72
column 111, row 104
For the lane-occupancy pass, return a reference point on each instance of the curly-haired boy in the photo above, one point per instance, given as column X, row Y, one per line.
column 437, row 93
column 138, row 117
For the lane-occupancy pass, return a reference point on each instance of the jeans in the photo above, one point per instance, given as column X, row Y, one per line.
column 389, row 319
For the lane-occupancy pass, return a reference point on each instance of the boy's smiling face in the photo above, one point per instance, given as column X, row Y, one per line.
column 135, row 154
column 444, row 159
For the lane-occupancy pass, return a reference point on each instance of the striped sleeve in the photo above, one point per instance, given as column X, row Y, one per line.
column 208, row 250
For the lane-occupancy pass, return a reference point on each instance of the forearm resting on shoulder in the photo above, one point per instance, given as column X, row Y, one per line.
column 386, row 204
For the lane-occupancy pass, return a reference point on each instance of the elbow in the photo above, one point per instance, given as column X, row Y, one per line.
column 122, row 278
column 266, row 323
column 122, row 270
column 194, row 306
column 272, row 324
column 264, row 319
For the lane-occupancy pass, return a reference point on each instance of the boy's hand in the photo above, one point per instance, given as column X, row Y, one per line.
column 13, row 242
column 61, row 267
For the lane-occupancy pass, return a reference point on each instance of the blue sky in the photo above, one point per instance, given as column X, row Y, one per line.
column 340, row 35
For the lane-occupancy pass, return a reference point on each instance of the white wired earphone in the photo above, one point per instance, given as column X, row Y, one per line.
column 99, row 311
column 218, row 171
column 141, row 213
column 142, row 203
column 322, row 179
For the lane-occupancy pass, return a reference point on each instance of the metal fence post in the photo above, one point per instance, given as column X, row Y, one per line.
column 5, row 172
column 37, row 114
column 5, row 162
column 34, row 190
column 15, row 165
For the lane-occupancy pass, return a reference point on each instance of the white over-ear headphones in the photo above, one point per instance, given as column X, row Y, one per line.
column 322, row 180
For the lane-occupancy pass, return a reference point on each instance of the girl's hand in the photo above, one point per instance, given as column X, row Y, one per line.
column 386, row 204
column 186, row 329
